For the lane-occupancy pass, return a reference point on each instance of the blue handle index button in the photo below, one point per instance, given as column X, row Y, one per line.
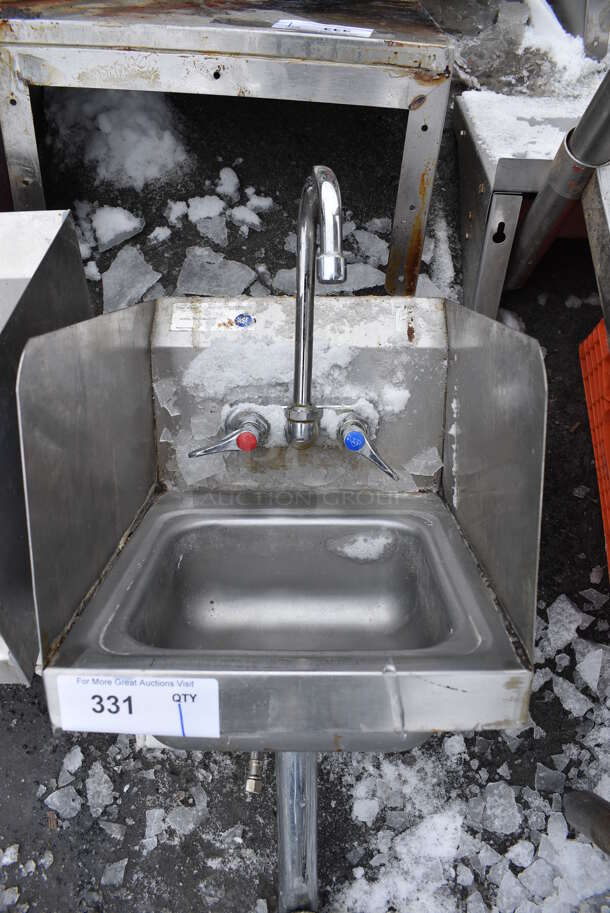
column 354, row 440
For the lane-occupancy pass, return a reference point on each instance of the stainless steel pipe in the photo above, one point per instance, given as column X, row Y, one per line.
column 296, row 775
column 583, row 149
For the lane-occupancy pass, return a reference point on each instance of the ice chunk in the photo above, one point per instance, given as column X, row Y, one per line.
column 488, row 856
column 564, row 619
column 10, row 855
column 245, row 218
column 501, row 813
column 504, row 771
column 557, row 829
column 561, row 661
column 8, row 897
column 28, row 867
column 572, row 302
column 511, row 894
column 159, row 234
column 73, row 760
column 361, row 547
column 371, row 248
column 228, row 185
column 205, row 272
column 290, row 244
column 92, row 272
column 598, row 600
column 99, row 789
column 184, row 819
column 454, row 745
column 436, row 837
column 547, row 780
column 260, row 906
column 46, row 860
column 66, row 802
column 259, row 204
column 521, row 853
column 463, row 875
column 590, row 667
column 114, row 873
column 476, row 904
column 113, row 224
column 129, row 136
column 64, row 777
column 596, row 575
column 214, row 229
column 113, row 829
column 425, row 464
column 381, row 225
column 154, row 822
column 538, row 878
column 365, row 810
column 175, row 211
column 571, row 698
column 581, row 492
column 127, row 280
column 359, row 276
column 205, row 208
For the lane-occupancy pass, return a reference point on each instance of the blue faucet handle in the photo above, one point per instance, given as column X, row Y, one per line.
column 353, row 433
column 354, row 440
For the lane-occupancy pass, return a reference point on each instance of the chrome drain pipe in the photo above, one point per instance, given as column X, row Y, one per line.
column 296, row 775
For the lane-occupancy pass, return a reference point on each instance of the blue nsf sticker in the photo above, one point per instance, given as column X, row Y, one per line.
column 244, row 320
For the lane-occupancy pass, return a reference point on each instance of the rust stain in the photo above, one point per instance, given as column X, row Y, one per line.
column 6, row 30
column 337, row 742
column 416, row 243
column 417, row 102
column 411, row 331
column 52, row 820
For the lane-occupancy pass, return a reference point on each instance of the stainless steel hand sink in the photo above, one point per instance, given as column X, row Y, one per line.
column 336, row 625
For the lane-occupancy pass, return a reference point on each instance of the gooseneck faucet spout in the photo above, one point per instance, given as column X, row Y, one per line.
column 320, row 207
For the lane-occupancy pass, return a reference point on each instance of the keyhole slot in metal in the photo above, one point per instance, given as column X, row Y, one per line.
column 499, row 234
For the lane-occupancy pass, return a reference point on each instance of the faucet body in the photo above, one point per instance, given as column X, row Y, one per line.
column 320, row 208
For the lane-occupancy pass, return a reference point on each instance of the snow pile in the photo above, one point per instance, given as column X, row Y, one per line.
column 113, row 224
column 545, row 33
column 228, row 185
column 130, row 137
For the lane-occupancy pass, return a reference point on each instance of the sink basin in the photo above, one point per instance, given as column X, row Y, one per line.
column 289, row 583
column 356, row 623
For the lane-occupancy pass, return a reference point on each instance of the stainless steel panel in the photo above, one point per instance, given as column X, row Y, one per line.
column 483, row 177
column 42, row 288
column 390, row 353
column 200, row 48
column 494, row 455
column 358, row 690
column 86, row 425
column 498, row 240
column 596, row 208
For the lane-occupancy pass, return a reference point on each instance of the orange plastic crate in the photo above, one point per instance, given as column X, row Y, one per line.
column 595, row 366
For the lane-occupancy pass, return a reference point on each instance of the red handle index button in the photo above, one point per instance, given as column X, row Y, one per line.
column 247, row 440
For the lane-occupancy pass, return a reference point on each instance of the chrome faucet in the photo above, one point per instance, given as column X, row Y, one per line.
column 320, row 208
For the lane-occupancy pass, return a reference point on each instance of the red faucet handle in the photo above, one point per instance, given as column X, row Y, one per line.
column 247, row 440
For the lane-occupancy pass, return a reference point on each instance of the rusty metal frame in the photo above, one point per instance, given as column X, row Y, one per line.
column 199, row 56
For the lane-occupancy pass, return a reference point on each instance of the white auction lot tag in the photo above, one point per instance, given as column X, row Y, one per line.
column 140, row 705
column 328, row 28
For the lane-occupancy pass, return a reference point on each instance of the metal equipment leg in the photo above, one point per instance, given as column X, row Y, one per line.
column 422, row 140
column 297, row 812
column 19, row 138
